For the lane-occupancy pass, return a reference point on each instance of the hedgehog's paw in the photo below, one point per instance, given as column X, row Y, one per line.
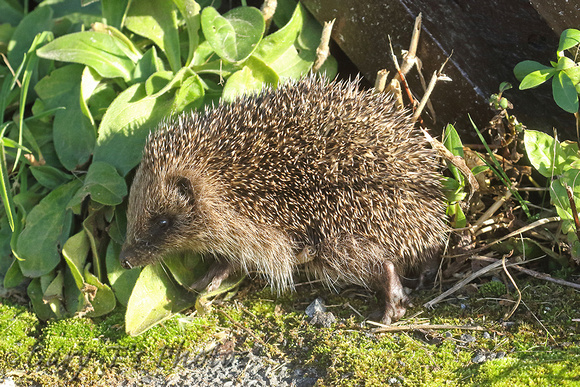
column 393, row 297
column 213, row 278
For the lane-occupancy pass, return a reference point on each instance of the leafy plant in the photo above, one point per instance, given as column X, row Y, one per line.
column 559, row 162
column 84, row 88
column 565, row 72
column 454, row 187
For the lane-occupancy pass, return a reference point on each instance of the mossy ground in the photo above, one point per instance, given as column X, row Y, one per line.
column 538, row 346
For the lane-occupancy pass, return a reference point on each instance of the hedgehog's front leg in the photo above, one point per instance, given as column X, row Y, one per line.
column 392, row 295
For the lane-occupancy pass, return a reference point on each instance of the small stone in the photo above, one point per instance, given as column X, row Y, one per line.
column 323, row 319
column 486, row 336
column 479, row 358
column 316, row 306
column 466, row 337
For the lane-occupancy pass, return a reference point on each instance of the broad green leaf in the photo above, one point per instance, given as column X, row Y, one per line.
column 252, row 78
column 565, row 93
column 99, row 50
column 565, row 63
column 574, row 74
column 118, row 226
column 36, row 22
column 544, row 152
column 236, row 34
column 53, row 296
column 123, row 42
column 74, row 136
column 189, row 10
column 126, row 124
column 526, row 67
column 47, row 227
column 50, row 177
column 536, row 78
column 75, row 253
column 104, row 300
column 559, row 195
column 13, row 276
column 273, row 46
column 122, row 281
column 457, row 216
column 568, row 39
column 90, row 80
column 11, row 12
column 147, row 66
column 114, row 12
column 156, row 82
column 190, row 95
column 154, row 299
column 103, row 184
column 187, row 268
column 35, row 293
column 157, row 21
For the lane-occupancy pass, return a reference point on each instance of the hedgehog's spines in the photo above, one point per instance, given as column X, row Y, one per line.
column 307, row 164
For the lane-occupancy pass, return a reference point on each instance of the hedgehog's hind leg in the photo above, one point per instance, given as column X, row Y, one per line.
column 391, row 295
column 212, row 279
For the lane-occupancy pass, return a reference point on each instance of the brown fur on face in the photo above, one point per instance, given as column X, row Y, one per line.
column 328, row 169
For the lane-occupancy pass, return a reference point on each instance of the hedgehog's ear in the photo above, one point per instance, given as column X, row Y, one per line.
column 184, row 187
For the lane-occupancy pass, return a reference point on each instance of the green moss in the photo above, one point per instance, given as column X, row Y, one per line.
column 347, row 354
column 492, row 289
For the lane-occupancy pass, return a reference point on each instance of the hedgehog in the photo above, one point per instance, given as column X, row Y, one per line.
column 313, row 174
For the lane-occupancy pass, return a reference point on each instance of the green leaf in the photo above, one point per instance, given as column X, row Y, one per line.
column 47, row 228
column 157, row 20
column 187, row 268
column 50, row 177
column 11, row 12
column 154, row 299
column 568, row 39
column 565, row 93
column 74, row 135
column 453, row 143
column 189, row 10
column 479, row 169
column 104, row 299
column 147, row 66
column 13, row 276
column 275, row 45
column 104, row 185
column 75, row 253
column 565, row 63
column 126, row 124
column 236, row 34
column 252, row 78
column 544, row 152
column 526, row 67
column 559, row 195
column 536, row 78
column 98, row 50
column 190, row 95
column 5, row 188
column 122, row 281
column 35, row 293
column 114, row 12
column 458, row 219
column 36, row 22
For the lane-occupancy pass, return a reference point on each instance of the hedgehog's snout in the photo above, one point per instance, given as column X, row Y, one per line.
column 125, row 258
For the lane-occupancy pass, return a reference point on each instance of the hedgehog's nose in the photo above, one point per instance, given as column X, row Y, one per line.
column 124, row 258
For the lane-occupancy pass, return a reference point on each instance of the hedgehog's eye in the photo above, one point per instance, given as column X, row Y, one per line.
column 161, row 224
